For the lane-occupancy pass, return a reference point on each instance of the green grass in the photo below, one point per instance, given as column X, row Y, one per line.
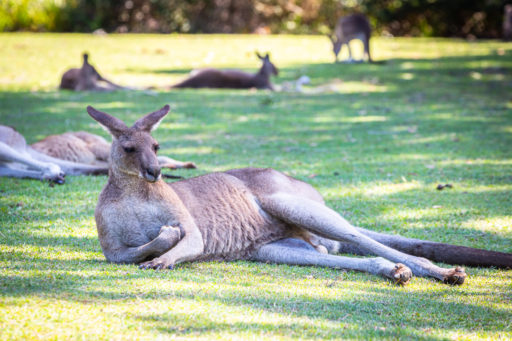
column 438, row 111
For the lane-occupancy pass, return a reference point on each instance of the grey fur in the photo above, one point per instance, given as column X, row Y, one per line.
column 348, row 28
column 250, row 213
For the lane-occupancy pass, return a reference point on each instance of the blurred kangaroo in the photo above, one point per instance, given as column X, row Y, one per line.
column 21, row 161
column 507, row 23
column 87, row 148
column 250, row 213
column 348, row 28
column 87, row 78
column 235, row 79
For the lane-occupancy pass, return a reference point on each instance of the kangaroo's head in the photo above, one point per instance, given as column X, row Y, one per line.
column 336, row 45
column 133, row 151
column 267, row 68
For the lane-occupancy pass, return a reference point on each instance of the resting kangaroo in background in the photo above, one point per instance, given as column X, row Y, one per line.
column 87, row 148
column 235, row 79
column 250, row 213
column 87, row 79
column 21, row 161
column 350, row 27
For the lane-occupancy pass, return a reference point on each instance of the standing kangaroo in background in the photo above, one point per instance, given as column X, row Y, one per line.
column 87, row 78
column 507, row 22
column 250, row 213
column 234, row 79
column 350, row 27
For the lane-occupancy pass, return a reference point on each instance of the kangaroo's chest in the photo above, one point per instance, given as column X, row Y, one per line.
column 138, row 223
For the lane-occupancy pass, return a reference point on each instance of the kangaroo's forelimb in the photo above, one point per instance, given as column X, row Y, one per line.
column 168, row 237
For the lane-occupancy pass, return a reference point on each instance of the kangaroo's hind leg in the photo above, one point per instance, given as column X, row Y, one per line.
column 321, row 220
column 297, row 252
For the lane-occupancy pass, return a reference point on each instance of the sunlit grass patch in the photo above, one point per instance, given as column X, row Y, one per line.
column 376, row 142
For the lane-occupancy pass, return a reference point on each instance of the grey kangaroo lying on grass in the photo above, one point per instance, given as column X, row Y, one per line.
column 87, row 78
column 87, row 148
column 234, row 79
column 251, row 214
column 19, row 160
column 74, row 153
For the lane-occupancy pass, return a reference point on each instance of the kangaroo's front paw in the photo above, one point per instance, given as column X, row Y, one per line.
column 172, row 232
column 456, row 276
column 189, row 165
column 401, row 274
column 157, row 264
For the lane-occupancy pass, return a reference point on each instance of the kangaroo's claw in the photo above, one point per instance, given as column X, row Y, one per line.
column 456, row 276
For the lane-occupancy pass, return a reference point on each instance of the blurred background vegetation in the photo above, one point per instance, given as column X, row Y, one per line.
column 446, row 18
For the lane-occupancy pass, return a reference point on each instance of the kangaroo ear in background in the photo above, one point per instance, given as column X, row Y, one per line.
column 259, row 56
column 151, row 121
column 111, row 124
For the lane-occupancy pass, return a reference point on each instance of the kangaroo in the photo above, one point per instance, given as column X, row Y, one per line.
column 234, row 79
column 507, row 23
column 87, row 148
column 348, row 28
column 21, row 161
column 87, row 78
column 241, row 214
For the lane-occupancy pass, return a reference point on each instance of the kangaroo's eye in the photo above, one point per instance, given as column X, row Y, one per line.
column 129, row 149
column 156, row 147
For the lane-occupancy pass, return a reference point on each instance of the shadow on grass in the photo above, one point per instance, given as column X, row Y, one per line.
column 182, row 324
column 386, row 312
column 428, row 120
column 177, row 71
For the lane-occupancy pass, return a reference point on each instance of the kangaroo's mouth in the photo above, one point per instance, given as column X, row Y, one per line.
column 151, row 175
column 148, row 175
column 151, row 178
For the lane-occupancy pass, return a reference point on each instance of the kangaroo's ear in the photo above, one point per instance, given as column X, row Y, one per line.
column 151, row 121
column 259, row 55
column 85, row 57
column 113, row 125
column 267, row 56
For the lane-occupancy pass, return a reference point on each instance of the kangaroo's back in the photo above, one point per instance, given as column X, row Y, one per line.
column 354, row 26
column 12, row 138
column 213, row 78
column 70, row 78
column 81, row 147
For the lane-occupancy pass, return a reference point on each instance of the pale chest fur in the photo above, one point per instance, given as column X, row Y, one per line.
column 135, row 222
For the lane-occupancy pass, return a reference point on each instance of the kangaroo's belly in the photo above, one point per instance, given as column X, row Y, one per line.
column 231, row 222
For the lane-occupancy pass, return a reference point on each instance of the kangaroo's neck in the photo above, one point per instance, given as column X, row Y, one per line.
column 263, row 73
column 132, row 184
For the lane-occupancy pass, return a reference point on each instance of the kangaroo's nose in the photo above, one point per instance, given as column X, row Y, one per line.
column 152, row 173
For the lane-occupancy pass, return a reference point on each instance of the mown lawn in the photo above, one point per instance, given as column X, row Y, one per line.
column 437, row 111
